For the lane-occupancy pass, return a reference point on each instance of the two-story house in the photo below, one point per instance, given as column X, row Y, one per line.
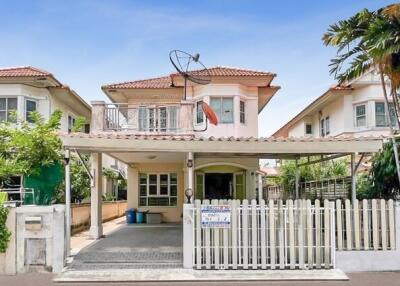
column 155, row 107
column 354, row 109
column 27, row 89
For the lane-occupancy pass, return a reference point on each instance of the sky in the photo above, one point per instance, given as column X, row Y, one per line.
column 86, row 44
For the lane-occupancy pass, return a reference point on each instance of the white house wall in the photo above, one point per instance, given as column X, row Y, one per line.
column 341, row 112
column 239, row 92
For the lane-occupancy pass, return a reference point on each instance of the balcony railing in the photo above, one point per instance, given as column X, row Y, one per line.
column 143, row 119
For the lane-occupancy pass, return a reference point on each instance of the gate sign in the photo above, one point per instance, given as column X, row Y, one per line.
column 218, row 216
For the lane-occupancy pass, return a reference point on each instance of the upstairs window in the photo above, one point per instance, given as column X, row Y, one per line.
column 223, row 108
column 380, row 114
column 361, row 115
column 242, row 112
column 308, row 129
column 199, row 112
column 71, row 123
column 7, row 107
column 30, row 106
column 322, row 126
column 327, row 126
column 162, row 119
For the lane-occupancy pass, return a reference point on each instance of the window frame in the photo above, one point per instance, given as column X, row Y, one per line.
column 7, row 110
column 158, row 186
column 153, row 123
column 199, row 112
column 308, row 124
column 356, row 117
column 73, row 120
column 327, row 126
column 322, row 127
column 26, row 108
column 220, row 112
column 242, row 111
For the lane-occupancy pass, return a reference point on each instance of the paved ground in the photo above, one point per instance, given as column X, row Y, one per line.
column 134, row 247
column 356, row 279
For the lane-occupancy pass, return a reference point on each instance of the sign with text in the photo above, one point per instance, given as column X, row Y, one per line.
column 216, row 216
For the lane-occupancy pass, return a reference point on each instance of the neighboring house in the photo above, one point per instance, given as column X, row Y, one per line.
column 155, row 108
column 355, row 109
column 27, row 89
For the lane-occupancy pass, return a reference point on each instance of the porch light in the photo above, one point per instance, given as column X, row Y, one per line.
column 189, row 163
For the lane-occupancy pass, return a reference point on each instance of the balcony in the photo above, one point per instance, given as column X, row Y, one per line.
column 147, row 119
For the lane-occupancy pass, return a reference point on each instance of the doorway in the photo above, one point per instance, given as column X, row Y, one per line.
column 218, row 186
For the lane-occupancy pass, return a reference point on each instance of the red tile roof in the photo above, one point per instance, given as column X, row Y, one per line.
column 23, row 72
column 122, row 135
column 166, row 81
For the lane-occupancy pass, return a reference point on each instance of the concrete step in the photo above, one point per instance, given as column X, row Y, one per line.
column 180, row 274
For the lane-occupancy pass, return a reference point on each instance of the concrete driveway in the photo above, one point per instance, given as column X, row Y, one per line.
column 134, row 247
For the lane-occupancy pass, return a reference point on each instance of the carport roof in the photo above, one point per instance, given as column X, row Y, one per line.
column 269, row 147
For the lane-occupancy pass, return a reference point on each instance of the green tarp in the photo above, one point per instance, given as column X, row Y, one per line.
column 44, row 184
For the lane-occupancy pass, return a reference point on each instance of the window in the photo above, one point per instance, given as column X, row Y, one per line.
column 158, row 189
column 308, row 129
column 199, row 112
column 163, row 119
column 327, row 126
column 173, row 117
column 322, row 127
column 158, row 118
column 223, row 108
column 71, row 123
column 242, row 112
column 380, row 114
column 30, row 106
column 7, row 107
column 361, row 117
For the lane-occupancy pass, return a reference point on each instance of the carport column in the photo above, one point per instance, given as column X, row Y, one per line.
column 67, row 202
column 96, row 227
column 260, row 187
column 132, row 186
column 297, row 180
column 190, row 173
column 353, row 178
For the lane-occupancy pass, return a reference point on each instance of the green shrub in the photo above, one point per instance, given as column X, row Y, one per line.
column 5, row 234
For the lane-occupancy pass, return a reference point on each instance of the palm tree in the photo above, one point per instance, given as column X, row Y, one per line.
column 370, row 39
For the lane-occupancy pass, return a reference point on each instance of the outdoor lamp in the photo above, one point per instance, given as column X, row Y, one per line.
column 189, row 194
column 189, row 163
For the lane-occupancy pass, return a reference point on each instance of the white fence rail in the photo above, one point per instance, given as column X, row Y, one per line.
column 367, row 225
column 297, row 235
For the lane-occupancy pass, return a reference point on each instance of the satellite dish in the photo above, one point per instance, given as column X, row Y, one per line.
column 193, row 70
column 210, row 114
column 190, row 68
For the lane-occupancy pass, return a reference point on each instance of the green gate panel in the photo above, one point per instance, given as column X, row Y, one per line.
column 44, row 184
column 240, row 186
column 199, row 186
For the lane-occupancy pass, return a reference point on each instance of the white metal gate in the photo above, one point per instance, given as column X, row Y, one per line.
column 268, row 235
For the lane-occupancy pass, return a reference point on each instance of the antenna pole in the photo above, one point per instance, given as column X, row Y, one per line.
column 184, row 88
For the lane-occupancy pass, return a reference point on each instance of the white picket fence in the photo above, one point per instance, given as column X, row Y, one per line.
column 297, row 235
column 366, row 225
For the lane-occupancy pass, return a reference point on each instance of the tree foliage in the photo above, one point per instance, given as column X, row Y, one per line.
column 80, row 180
column 30, row 146
column 5, row 234
column 365, row 40
column 331, row 169
column 381, row 182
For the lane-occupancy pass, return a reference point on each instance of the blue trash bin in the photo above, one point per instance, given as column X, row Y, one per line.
column 130, row 216
column 139, row 217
